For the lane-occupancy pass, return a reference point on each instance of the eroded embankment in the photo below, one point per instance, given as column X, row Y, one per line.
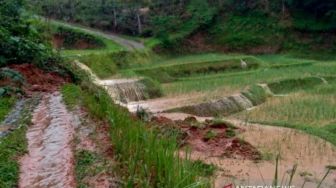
column 255, row 95
column 228, row 105
column 50, row 161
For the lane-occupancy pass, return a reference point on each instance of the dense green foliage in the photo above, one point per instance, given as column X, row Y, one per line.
column 257, row 26
column 20, row 38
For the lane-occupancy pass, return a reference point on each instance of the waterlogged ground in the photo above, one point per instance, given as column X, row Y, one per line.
column 50, row 159
column 307, row 154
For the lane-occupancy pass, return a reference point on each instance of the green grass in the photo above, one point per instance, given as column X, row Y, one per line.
column 171, row 71
column 6, row 104
column 88, row 165
column 108, row 64
column 299, row 108
column 238, row 81
column 12, row 147
column 136, row 143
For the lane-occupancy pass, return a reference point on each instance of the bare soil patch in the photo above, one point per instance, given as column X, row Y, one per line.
column 39, row 80
column 210, row 138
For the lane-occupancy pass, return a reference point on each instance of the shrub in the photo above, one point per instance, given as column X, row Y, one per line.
column 20, row 42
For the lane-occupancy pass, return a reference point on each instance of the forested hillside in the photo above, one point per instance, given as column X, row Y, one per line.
column 256, row 26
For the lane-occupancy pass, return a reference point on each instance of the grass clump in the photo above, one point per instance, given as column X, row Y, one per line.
column 11, row 147
column 6, row 104
column 256, row 94
column 70, row 95
column 101, row 64
column 153, row 88
column 206, row 169
column 135, row 143
column 88, row 164
column 210, row 135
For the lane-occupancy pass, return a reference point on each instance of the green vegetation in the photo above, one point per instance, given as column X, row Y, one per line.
column 153, row 88
column 89, row 165
column 20, row 38
column 290, row 85
column 210, row 135
column 237, row 81
column 169, row 72
column 107, row 64
column 134, row 142
column 241, row 32
column 12, row 147
column 258, row 26
column 6, row 104
column 299, row 108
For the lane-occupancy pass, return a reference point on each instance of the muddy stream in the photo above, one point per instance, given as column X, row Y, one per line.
column 50, row 160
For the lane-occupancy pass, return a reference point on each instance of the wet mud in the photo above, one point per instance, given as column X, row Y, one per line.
column 50, row 160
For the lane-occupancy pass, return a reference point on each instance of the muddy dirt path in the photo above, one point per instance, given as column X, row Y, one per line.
column 50, row 160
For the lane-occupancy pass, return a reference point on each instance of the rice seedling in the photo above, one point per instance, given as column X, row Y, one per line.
column 329, row 169
column 136, row 143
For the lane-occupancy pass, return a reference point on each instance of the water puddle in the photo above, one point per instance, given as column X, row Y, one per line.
column 11, row 121
column 50, row 161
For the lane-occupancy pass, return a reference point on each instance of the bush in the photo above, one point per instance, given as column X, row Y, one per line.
column 20, row 41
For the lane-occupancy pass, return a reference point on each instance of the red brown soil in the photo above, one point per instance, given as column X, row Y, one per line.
column 58, row 42
column 220, row 145
column 39, row 80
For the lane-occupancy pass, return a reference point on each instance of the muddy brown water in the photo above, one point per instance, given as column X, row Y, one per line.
column 310, row 153
column 50, row 160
